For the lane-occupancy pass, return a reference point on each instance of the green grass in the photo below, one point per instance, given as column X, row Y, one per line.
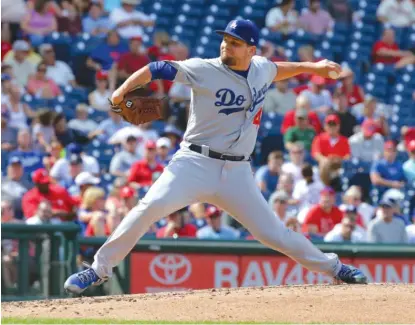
column 20, row 320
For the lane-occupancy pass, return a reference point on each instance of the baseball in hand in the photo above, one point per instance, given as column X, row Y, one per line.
column 333, row 75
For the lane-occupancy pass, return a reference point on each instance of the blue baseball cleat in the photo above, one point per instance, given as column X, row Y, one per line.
column 350, row 274
column 79, row 282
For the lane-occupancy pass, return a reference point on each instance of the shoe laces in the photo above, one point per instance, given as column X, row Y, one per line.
column 87, row 276
column 347, row 271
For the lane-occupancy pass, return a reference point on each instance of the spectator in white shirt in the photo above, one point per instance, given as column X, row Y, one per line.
column 278, row 202
column 215, row 229
column 43, row 215
column 60, row 170
column 280, row 99
column 128, row 21
column 398, row 13
column 59, row 71
column 296, row 163
column 282, row 18
column 307, row 191
column 122, row 161
column 319, row 97
column 367, row 145
column 410, row 232
column 345, row 232
column 353, row 196
column 82, row 123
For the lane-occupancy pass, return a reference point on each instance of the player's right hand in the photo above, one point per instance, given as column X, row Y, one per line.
column 325, row 67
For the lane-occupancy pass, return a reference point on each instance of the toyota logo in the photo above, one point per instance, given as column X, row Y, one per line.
column 169, row 269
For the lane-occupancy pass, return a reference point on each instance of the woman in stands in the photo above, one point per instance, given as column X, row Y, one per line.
column 41, row 86
column 18, row 112
column 39, row 22
column 354, row 92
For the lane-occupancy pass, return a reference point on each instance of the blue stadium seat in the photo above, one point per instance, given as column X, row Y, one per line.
column 61, row 44
column 96, row 115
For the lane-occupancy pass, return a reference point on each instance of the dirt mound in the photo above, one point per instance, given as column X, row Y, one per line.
column 375, row 303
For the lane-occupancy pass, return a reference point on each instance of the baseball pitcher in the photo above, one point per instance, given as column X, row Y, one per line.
column 212, row 164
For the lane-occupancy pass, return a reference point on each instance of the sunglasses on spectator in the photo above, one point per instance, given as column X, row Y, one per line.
column 281, row 201
column 297, row 152
column 332, row 124
column 42, row 70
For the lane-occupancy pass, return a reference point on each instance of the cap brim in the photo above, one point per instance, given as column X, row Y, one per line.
column 222, row 32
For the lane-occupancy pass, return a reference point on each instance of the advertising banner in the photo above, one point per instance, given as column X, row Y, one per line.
column 156, row 272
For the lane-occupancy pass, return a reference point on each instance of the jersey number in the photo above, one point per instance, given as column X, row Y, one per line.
column 257, row 118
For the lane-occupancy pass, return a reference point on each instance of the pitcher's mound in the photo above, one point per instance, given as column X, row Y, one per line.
column 374, row 303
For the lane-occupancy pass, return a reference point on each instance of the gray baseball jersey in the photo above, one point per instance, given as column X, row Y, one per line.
column 226, row 108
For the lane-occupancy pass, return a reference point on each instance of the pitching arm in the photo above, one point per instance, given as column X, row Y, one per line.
column 324, row 68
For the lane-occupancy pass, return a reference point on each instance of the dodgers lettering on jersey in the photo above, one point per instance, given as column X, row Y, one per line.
column 225, row 108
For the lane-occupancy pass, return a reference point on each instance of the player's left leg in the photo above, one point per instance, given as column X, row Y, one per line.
column 240, row 197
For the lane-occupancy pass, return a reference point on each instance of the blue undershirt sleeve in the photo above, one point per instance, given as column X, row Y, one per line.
column 162, row 70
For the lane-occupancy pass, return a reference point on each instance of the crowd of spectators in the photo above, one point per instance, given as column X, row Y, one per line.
column 54, row 170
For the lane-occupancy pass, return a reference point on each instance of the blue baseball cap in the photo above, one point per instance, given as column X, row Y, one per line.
column 15, row 160
column 5, row 77
column 74, row 148
column 242, row 29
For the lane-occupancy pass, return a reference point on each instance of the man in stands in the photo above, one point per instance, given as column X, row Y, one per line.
column 322, row 218
column 319, row 97
column 386, row 228
column 398, row 13
column 388, row 172
column 128, row 21
column 177, row 227
column 147, row 170
column 59, row 71
column 280, row 99
column 123, row 160
column 61, row 169
column 302, row 132
column 19, row 62
column 345, row 233
column 215, row 229
column 111, row 125
column 330, row 149
column 15, row 185
column 63, row 206
column 302, row 103
column 386, row 50
column 367, row 145
column 316, row 20
column 348, row 121
column 131, row 61
column 30, row 159
column 267, row 176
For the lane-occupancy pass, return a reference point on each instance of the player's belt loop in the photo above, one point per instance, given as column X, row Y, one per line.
column 205, row 150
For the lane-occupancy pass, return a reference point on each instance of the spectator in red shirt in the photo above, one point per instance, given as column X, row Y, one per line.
column 144, row 172
column 353, row 91
column 330, row 149
column 62, row 203
column 176, row 227
column 131, row 61
column 408, row 134
column 322, row 217
column 386, row 50
column 302, row 103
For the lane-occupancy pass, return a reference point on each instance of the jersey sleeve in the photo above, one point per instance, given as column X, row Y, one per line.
column 190, row 72
column 268, row 67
